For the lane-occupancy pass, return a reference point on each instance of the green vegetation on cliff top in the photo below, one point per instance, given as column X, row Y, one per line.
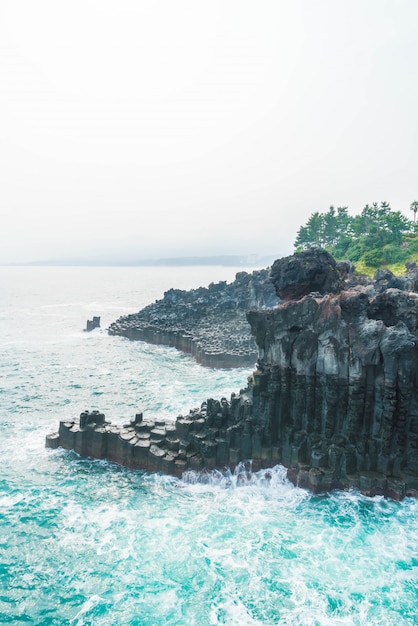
column 377, row 237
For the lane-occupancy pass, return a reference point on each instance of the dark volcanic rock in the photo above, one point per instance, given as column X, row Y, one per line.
column 209, row 322
column 312, row 270
column 341, row 377
column 92, row 324
column 345, row 268
column 334, row 398
column 393, row 306
column 384, row 279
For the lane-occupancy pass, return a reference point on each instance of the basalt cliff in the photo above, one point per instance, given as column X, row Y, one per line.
column 334, row 397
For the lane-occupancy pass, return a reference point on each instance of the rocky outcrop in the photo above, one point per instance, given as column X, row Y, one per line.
column 309, row 271
column 209, row 322
column 334, row 398
column 92, row 324
column 341, row 388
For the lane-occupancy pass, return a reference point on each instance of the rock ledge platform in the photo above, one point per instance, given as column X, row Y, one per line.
column 209, row 323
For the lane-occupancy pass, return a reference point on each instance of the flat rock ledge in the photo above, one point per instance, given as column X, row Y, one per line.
column 221, row 435
column 209, row 323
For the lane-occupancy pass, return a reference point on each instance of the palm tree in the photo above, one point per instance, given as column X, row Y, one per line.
column 414, row 208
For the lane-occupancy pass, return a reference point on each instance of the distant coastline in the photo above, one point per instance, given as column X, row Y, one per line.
column 248, row 260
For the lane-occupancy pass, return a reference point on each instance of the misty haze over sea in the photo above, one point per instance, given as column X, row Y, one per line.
column 250, row 260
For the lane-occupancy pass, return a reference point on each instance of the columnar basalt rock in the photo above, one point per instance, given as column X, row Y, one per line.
column 346, row 400
column 209, row 322
column 217, row 434
column 334, row 398
column 92, row 324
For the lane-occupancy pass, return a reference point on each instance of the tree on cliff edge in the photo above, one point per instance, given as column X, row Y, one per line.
column 323, row 229
column 414, row 208
column 375, row 235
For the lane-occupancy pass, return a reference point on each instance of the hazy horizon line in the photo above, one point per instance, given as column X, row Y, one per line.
column 207, row 260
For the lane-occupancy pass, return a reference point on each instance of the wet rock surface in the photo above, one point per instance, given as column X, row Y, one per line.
column 334, row 399
column 209, row 322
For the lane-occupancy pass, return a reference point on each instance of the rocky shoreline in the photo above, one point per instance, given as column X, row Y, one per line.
column 334, row 397
column 209, row 323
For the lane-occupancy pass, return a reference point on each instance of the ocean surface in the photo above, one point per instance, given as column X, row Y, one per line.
column 89, row 542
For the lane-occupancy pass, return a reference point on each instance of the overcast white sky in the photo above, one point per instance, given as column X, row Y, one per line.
column 171, row 128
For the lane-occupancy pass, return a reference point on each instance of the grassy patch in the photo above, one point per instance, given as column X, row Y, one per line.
column 398, row 269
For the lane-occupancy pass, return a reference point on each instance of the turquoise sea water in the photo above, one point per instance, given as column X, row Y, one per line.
column 88, row 542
